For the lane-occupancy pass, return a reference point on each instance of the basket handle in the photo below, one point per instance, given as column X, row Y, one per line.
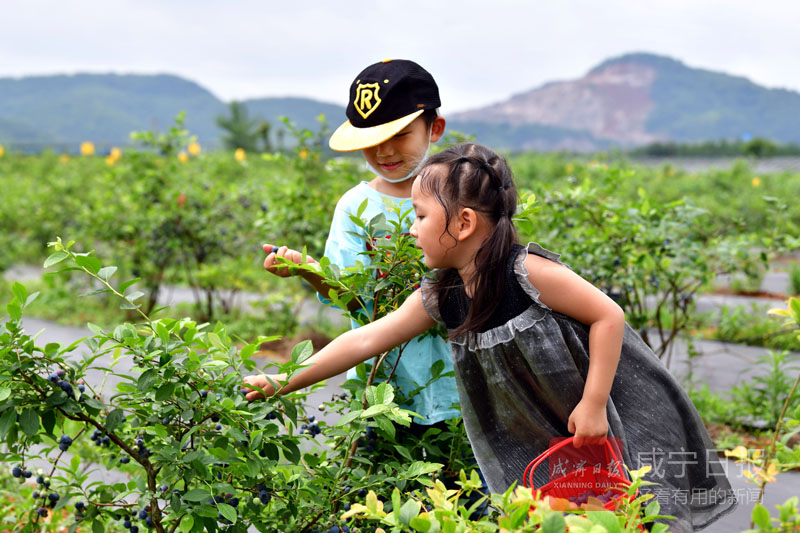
column 527, row 477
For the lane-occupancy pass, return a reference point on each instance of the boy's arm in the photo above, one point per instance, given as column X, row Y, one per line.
column 352, row 347
column 284, row 271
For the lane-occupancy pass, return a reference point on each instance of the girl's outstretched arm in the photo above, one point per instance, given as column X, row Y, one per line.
column 352, row 347
column 565, row 292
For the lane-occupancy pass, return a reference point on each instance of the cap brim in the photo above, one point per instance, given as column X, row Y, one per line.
column 348, row 138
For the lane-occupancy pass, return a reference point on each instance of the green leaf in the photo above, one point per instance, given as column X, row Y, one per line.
column 147, row 380
column 94, row 403
column 114, row 419
column 607, row 519
column 6, row 421
column 164, row 392
column 420, row 523
column 227, row 511
column 653, row 508
column 135, row 295
column 4, row 394
column 302, row 351
column 123, row 286
column 29, row 422
column 186, row 523
column 197, row 495
column 14, row 310
column 19, row 292
column 97, row 526
column 409, row 510
column 760, row 516
column 106, row 272
column 554, row 523
column 92, row 264
column 55, row 258
column 49, row 421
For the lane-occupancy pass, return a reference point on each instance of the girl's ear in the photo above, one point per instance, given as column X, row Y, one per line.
column 467, row 223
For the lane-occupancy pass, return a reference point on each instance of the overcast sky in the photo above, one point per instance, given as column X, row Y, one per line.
column 479, row 52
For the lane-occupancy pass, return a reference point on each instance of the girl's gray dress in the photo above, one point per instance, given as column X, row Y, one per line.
column 520, row 379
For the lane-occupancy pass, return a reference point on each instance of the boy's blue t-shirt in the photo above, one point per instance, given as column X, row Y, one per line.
column 439, row 400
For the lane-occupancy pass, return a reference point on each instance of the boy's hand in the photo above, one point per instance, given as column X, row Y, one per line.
column 588, row 423
column 284, row 271
column 258, row 387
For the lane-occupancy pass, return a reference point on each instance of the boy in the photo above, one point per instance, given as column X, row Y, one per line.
column 392, row 118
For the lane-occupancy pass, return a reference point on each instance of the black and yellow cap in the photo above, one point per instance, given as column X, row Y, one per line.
column 384, row 98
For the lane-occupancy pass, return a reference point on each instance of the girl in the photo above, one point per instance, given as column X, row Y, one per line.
column 538, row 351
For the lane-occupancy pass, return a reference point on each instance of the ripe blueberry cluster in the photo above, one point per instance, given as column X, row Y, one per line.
column 312, row 428
column 371, row 437
column 57, row 378
column 18, row 472
column 263, row 495
column 100, row 439
column 64, row 443
column 144, row 451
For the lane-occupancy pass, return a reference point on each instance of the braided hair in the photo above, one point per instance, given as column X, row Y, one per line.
column 481, row 180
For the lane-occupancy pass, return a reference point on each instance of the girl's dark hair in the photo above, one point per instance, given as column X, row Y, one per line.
column 473, row 176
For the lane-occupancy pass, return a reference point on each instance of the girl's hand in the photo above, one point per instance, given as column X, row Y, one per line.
column 588, row 423
column 283, row 270
column 258, row 387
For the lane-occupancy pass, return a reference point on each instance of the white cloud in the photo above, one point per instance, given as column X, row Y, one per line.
column 479, row 52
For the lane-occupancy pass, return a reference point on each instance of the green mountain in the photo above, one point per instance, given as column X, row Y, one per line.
column 64, row 110
column 103, row 107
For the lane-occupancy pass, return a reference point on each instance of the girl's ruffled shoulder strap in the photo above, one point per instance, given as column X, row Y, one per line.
column 430, row 299
column 522, row 272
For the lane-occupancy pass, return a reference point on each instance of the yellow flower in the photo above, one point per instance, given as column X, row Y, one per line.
column 183, row 157
column 87, row 148
column 116, row 153
column 110, row 160
column 756, row 181
column 63, row 159
column 194, row 149
column 2, row 150
column 303, row 153
column 240, row 154
column 569, row 168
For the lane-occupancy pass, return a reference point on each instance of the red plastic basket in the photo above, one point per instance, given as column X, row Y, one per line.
column 580, row 480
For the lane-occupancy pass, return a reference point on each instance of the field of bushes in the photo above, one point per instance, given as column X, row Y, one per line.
column 169, row 214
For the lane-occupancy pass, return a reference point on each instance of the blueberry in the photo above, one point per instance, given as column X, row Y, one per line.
column 164, row 488
column 63, row 447
column 16, row 472
column 362, row 493
column 142, row 514
column 203, row 393
column 40, row 480
column 272, row 415
column 82, row 388
column 165, row 421
column 243, row 391
column 80, row 506
column 345, row 529
column 234, row 502
column 66, row 439
column 218, row 427
column 127, row 524
column 346, row 507
column 54, row 378
column 60, row 372
column 27, row 474
column 215, row 418
column 35, row 494
column 312, row 418
column 219, row 396
column 66, row 386
column 134, row 529
column 148, row 522
column 42, row 512
column 125, row 460
column 334, row 529
column 53, row 496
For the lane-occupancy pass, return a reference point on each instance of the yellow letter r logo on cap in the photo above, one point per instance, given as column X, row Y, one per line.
column 367, row 99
